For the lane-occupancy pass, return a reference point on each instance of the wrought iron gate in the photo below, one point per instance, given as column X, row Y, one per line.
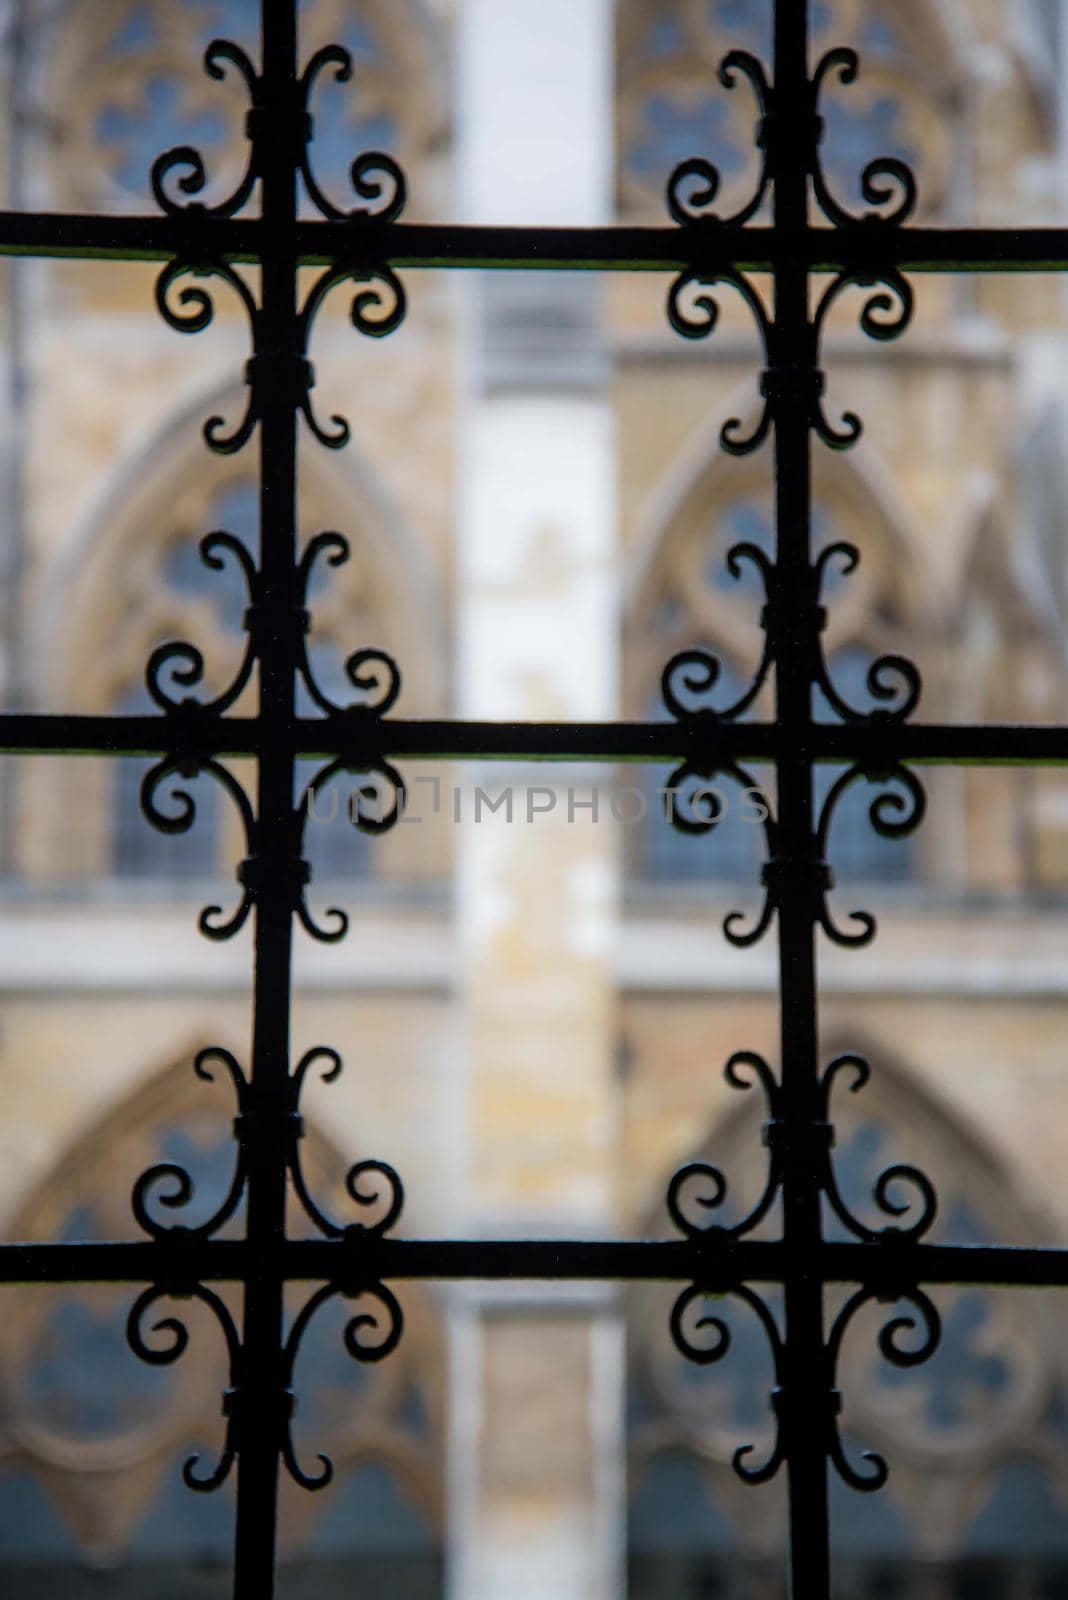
column 369, row 246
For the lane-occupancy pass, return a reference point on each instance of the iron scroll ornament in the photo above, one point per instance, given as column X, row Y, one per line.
column 378, row 801
column 374, row 677
column 165, row 1341
column 380, row 303
column 889, row 187
column 699, row 1189
column 690, row 804
column 204, row 245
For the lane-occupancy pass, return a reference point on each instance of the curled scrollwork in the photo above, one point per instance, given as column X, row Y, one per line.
column 178, row 1187
column 169, row 1344
column 897, row 1178
column 691, row 675
column 220, row 54
column 692, row 804
column 382, row 1316
column 926, row 1323
column 889, row 187
column 377, row 310
column 694, row 184
column 182, row 815
column 886, row 315
column 891, row 678
column 375, row 805
column 694, row 313
column 888, row 184
column 191, row 310
column 375, row 176
column 183, row 664
column 893, row 681
column 369, row 1184
column 373, row 674
column 706, row 1339
column 703, row 1185
column 894, row 814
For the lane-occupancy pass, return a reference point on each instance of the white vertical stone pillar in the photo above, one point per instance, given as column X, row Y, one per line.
column 537, row 627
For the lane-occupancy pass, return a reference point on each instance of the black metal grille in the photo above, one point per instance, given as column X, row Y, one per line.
column 810, row 266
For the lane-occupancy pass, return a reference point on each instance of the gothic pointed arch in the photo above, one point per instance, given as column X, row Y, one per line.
column 682, row 592
column 124, row 82
column 994, row 1396
column 670, row 106
column 95, row 1438
column 133, row 578
column 1009, row 667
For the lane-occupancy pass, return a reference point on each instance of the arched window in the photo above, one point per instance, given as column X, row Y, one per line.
column 696, row 598
column 192, row 601
column 130, row 86
column 985, row 1418
column 92, row 1439
column 733, row 851
column 139, row 581
column 671, row 106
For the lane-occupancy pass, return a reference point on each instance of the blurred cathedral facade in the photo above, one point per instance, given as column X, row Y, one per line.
column 534, row 1002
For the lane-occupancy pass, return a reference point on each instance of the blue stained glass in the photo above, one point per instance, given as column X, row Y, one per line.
column 963, row 1225
column 194, row 1528
column 672, row 1510
column 867, row 1523
column 235, row 511
column 211, row 1168
column 665, row 36
column 231, row 19
column 741, row 1395
column 732, row 851
column 30, row 1527
column 81, row 1222
column 339, row 139
column 857, row 136
column 820, row 16
column 328, row 1376
column 138, row 32
column 369, row 1514
column 750, row 522
column 881, row 37
column 674, row 132
column 159, row 124
column 745, row 522
column 141, row 851
column 413, row 1412
column 1024, row 1515
column 856, row 852
column 747, row 21
column 333, row 845
column 961, row 1379
column 81, row 1378
column 360, row 42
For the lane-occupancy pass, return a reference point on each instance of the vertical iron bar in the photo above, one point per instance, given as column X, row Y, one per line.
column 793, row 377
column 263, row 1396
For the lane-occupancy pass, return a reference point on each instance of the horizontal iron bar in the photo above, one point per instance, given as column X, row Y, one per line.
column 210, row 1261
column 359, row 737
column 705, row 246
column 874, row 742
column 30, row 734
column 883, row 1267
